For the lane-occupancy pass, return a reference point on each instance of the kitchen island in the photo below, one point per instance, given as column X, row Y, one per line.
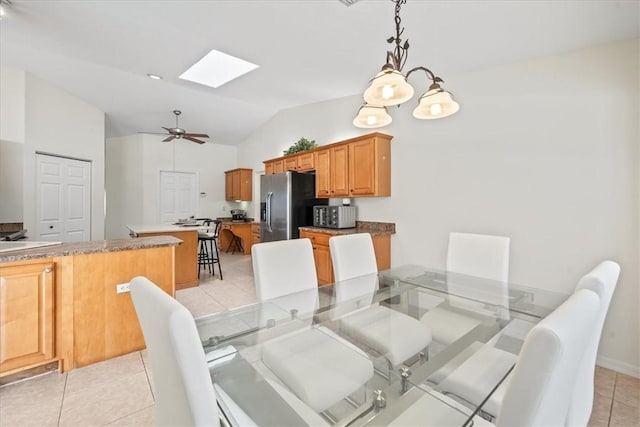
column 186, row 253
column 69, row 303
column 242, row 229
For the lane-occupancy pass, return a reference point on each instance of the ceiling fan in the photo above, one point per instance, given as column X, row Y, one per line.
column 179, row 133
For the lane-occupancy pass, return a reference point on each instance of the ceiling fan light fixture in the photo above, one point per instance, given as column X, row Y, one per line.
column 391, row 87
column 371, row 117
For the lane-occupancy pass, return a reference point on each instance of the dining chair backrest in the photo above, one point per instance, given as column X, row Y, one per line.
column 483, row 256
column 352, row 255
column 283, row 267
column 542, row 383
column 602, row 280
column 183, row 389
column 354, row 264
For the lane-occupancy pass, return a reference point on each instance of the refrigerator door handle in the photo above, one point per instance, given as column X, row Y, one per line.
column 268, row 214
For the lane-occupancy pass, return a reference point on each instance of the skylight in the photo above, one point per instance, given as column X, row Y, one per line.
column 217, row 68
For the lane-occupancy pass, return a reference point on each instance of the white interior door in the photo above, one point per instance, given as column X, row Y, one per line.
column 178, row 195
column 63, row 206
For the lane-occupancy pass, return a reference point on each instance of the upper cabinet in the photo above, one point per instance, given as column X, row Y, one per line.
column 238, row 184
column 357, row 167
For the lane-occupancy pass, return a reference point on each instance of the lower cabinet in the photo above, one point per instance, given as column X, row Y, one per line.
column 27, row 325
column 322, row 253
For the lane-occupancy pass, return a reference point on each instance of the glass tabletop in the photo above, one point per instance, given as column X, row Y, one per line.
column 286, row 360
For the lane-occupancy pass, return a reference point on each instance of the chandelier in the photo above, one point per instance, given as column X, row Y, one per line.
column 390, row 87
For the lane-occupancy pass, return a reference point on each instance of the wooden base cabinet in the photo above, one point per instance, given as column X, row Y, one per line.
column 322, row 254
column 27, row 299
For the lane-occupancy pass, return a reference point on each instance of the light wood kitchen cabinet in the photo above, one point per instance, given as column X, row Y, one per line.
column 323, row 172
column 322, row 253
column 27, row 300
column 321, row 256
column 238, row 184
column 290, row 163
column 273, row 166
column 370, row 166
column 340, row 171
column 306, row 161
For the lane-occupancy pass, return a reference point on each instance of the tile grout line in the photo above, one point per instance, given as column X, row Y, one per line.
column 64, row 392
column 613, row 397
column 146, row 373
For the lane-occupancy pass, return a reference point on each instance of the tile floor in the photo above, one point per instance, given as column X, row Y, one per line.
column 118, row 391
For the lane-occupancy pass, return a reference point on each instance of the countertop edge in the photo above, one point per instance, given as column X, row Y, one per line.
column 91, row 247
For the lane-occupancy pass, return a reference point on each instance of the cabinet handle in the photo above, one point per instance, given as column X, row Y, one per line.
column 47, row 270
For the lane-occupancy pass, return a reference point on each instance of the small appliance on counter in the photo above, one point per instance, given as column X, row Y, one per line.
column 238, row 215
column 334, row 216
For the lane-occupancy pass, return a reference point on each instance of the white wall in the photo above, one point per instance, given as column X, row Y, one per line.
column 61, row 124
column 12, row 112
column 12, row 104
column 545, row 152
column 133, row 177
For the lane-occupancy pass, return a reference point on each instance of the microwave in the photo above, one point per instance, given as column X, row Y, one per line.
column 334, row 216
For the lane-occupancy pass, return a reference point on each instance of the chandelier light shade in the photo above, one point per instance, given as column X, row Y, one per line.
column 391, row 87
column 435, row 104
column 370, row 116
column 388, row 87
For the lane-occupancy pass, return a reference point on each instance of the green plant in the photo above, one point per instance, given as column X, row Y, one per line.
column 303, row 144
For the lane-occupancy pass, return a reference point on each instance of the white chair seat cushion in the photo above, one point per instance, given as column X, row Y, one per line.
column 317, row 367
column 478, row 375
column 393, row 334
column 448, row 326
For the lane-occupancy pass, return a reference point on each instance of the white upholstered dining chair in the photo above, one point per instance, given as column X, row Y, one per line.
column 317, row 365
column 474, row 378
column 477, row 255
column 393, row 334
column 183, row 389
column 543, row 382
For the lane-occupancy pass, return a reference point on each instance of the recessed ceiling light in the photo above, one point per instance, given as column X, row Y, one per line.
column 217, row 68
column 154, row 76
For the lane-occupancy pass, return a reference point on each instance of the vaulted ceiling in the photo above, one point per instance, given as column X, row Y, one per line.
column 308, row 50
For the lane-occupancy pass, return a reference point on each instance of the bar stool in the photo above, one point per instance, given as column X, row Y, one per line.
column 236, row 243
column 208, row 254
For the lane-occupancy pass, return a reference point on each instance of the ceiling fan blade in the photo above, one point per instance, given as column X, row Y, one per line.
column 167, row 129
column 197, row 135
column 193, row 139
column 171, row 138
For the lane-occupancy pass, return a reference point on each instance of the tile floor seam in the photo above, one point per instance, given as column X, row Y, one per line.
column 64, row 392
column 146, row 372
column 128, row 415
column 613, row 397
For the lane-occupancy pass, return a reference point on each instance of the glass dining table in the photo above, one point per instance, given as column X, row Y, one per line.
column 266, row 374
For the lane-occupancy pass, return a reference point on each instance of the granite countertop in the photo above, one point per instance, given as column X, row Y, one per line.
column 162, row 228
column 83, row 248
column 373, row 228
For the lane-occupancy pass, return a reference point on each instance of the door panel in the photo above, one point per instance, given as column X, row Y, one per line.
column 178, row 195
column 63, row 206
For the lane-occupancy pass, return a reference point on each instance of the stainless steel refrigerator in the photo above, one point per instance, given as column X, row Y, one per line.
column 286, row 203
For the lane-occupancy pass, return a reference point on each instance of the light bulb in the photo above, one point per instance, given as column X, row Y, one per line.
column 435, row 109
column 371, row 120
column 387, row 92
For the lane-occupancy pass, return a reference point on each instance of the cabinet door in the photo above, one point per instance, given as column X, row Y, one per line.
column 362, row 168
column 306, row 162
column 324, row 268
column 291, row 163
column 228, row 185
column 340, row 171
column 278, row 166
column 235, row 185
column 26, row 315
column 323, row 177
column 268, row 168
column 246, row 189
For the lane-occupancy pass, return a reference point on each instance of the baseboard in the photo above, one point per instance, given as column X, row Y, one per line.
column 616, row 365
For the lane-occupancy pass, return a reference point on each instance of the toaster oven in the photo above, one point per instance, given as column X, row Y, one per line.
column 334, row 216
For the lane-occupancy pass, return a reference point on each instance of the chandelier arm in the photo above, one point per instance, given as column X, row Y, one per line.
column 428, row 72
